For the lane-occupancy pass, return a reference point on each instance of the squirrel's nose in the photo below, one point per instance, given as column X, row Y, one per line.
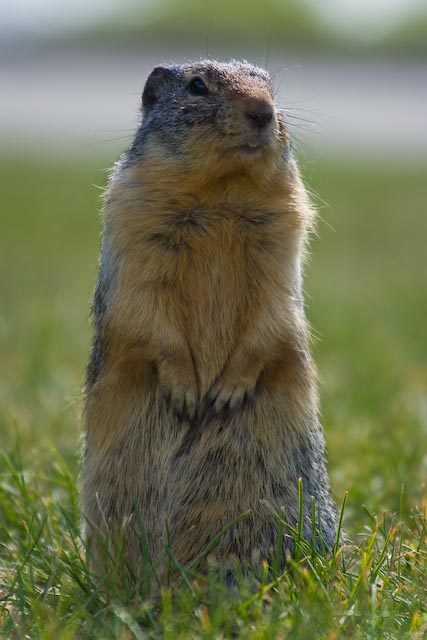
column 259, row 113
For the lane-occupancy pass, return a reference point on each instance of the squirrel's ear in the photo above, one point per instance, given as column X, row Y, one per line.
column 155, row 81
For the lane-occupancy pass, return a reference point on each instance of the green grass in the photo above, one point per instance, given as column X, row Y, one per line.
column 367, row 300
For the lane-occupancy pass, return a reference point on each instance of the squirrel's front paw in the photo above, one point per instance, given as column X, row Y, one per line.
column 180, row 396
column 229, row 395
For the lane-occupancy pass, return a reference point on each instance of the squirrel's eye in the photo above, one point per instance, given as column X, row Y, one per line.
column 197, row 87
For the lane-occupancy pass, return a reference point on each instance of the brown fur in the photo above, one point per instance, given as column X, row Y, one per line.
column 204, row 317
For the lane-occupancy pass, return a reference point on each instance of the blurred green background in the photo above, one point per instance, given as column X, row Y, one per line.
column 353, row 83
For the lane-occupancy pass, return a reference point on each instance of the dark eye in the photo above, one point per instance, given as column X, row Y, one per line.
column 197, row 87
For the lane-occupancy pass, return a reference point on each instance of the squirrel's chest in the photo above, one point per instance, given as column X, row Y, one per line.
column 215, row 294
column 217, row 266
column 221, row 277
column 221, row 267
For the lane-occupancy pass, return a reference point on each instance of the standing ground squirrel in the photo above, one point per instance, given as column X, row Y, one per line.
column 201, row 395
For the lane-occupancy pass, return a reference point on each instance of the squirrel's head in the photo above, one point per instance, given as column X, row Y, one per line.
column 210, row 114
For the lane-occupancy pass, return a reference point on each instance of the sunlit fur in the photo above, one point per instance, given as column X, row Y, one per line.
column 201, row 397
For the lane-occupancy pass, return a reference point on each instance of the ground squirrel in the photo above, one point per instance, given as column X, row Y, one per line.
column 201, row 395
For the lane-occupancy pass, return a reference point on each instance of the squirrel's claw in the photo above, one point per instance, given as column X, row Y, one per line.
column 182, row 400
column 178, row 388
column 229, row 398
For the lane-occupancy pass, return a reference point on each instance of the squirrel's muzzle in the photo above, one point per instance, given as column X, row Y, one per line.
column 259, row 113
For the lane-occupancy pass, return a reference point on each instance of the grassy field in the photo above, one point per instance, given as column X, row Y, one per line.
column 366, row 290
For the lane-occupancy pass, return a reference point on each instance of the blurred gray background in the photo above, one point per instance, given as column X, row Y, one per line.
column 352, row 76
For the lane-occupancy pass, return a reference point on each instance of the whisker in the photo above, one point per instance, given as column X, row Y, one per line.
column 289, row 109
column 302, row 147
column 325, row 222
column 297, row 117
column 273, row 74
column 97, row 186
column 314, row 97
column 208, row 34
column 268, row 49
column 116, row 130
column 317, row 197
column 277, row 89
column 96, row 142
column 303, row 127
